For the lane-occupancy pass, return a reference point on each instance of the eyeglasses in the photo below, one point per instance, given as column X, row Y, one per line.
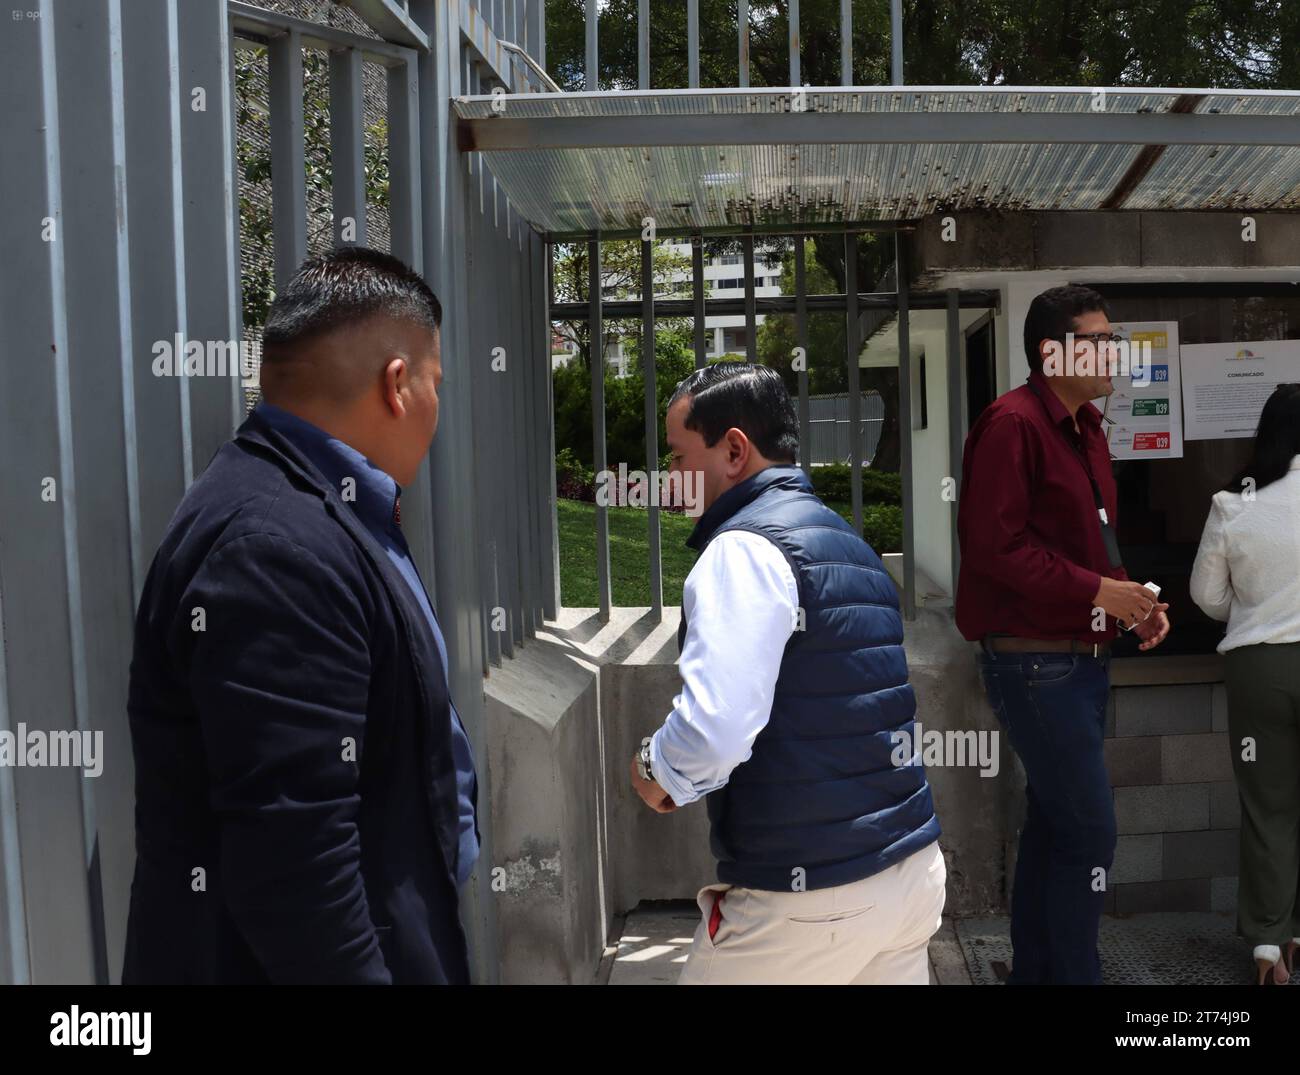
column 1098, row 337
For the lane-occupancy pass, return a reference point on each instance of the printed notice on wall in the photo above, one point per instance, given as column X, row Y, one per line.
column 1225, row 384
column 1146, row 406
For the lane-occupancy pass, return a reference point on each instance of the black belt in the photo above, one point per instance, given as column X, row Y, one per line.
column 1011, row 644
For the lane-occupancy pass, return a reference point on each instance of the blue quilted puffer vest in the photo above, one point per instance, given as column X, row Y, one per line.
column 819, row 801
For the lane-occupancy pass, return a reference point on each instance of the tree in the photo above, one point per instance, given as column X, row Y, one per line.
column 253, row 154
column 620, row 275
column 624, row 401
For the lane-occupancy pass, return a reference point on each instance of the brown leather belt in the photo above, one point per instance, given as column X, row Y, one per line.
column 1010, row 644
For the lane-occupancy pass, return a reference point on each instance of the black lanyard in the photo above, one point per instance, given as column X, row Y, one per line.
column 1108, row 538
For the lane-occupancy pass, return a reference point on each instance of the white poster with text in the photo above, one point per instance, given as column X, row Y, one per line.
column 1225, row 384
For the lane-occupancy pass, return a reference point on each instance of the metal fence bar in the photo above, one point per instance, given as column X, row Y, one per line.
column 546, row 401
column 793, row 25
column 593, row 45
column 651, row 424
column 507, row 545
column 288, row 175
column 209, row 264
column 527, row 436
column 692, row 43
column 596, row 334
column 742, row 30
column 905, row 430
column 520, row 431
column 643, row 45
column 347, row 148
column 697, row 300
column 971, row 299
column 846, row 42
column 801, row 341
column 751, row 313
column 536, row 37
column 896, row 42
column 407, row 229
column 452, row 462
column 853, row 345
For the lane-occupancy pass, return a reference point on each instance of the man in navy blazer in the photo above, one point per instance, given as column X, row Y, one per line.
column 305, row 792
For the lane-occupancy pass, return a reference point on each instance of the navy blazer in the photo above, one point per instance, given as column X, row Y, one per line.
column 296, row 810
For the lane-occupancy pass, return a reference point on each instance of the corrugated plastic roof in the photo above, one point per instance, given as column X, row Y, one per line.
column 574, row 188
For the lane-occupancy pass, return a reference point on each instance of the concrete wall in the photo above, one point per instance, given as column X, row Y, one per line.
column 1175, row 799
column 575, row 848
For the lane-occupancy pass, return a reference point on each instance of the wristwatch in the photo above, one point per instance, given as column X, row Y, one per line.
column 643, row 760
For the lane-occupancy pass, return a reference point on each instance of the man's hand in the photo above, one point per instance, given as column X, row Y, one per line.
column 1153, row 631
column 653, row 795
column 1129, row 602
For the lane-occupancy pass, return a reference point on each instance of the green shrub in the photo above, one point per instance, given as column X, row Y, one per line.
column 833, row 483
column 882, row 527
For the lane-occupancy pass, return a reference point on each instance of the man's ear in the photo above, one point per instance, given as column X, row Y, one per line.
column 394, row 378
column 738, row 448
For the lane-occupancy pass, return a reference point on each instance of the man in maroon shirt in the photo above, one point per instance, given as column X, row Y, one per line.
column 1042, row 589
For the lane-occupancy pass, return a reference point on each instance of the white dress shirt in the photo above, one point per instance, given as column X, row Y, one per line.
column 1247, row 569
column 740, row 602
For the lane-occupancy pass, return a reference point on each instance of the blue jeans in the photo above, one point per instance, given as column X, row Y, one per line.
column 1053, row 707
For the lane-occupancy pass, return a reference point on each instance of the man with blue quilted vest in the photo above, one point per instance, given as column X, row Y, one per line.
column 794, row 698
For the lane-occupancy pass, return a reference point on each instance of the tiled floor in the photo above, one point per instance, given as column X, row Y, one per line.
column 1149, row 949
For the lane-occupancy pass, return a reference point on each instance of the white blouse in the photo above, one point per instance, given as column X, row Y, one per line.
column 1247, row 569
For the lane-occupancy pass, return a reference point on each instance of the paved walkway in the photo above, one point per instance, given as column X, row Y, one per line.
column 1148, row 949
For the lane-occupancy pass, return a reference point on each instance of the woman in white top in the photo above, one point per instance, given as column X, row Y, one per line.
column 1247, row 572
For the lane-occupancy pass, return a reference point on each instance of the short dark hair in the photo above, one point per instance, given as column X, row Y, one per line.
column 745, row 396
column 342, row 287
column 1051, row 315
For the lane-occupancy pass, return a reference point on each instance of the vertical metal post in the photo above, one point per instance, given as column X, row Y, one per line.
column 457, row 529
column 905, row 428
column 853, row 344
column 596, row 331
column 801, row 339
column 541, row 279
column 651, row 423
column 697, row 294
column 347, row 148
column 846, row 42
column 593, row 46
column 643, row 45
column 751, row 317
column 288, row 175
column 896, row 42
column 405, row 214
column 794, row 41
column 693, row 43
column 956, row 405
column 742, row 30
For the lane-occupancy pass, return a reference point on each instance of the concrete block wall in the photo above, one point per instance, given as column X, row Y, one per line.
column 1175, row 799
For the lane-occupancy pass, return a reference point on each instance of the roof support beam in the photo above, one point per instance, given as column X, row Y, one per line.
column 1146, row 160
column 502, row 132
column 391, row 21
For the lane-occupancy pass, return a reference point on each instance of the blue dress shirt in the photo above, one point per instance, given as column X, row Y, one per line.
column 374, row 499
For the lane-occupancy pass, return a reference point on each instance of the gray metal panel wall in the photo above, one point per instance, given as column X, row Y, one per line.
column 120, row 236
column 120, row 131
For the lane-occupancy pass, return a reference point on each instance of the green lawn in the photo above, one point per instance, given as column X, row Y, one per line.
column 629, row 560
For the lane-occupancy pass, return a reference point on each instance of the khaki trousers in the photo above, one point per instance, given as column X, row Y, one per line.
column 871, row 932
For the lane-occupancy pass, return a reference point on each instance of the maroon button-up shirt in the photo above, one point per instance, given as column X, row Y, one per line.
column 1032, row 554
